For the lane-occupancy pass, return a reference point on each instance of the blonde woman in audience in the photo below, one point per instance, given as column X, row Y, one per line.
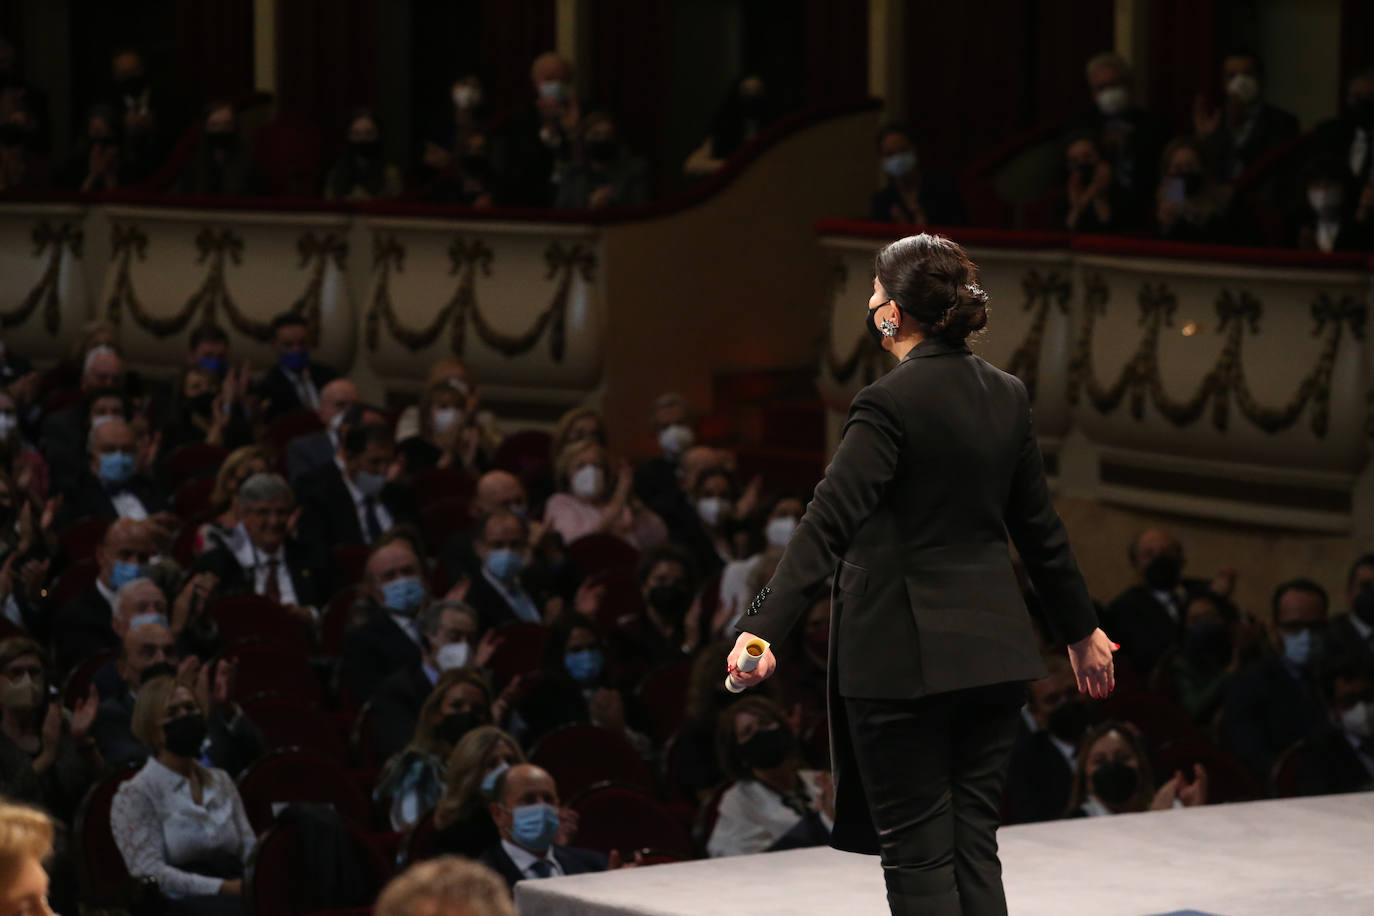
column 223, row 529
column 591, row 501
column 1114, row 777
column 447, row 886
column 177, row 821
column 453, row 371
column 448, row 436
column 462, row 819
column 577, row 425
column 25, row 841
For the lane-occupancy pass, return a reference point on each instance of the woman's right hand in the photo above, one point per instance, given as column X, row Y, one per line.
column 1091, row 658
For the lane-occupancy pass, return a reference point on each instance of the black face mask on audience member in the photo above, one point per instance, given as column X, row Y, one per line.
column 670, row 600
column 157, row 669
column 1363, row 606
column 185, row 735
column 455, row 725
column 766, row 749
column 201, row 403
column 1069, row 720
column 600, row 151
column 1209, row 639
column 1115, row 782
column 221, row 141
column 1164, row 572
column 366, row 151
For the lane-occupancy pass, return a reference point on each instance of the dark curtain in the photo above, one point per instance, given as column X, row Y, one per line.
column 630, row 68
column 836, row 51
column 327, row 55
column 214, row 49
column 1357, row 41
column 513, row 35
column 1185, row 39
column 1067, row 33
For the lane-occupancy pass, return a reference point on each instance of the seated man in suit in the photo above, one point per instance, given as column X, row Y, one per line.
column 267, row 562
column 386, row 639
column 497, row 593
column 448, row 639
column 109, row 486
column 525, row 811
column 658, row 477
column 294, row 383
column 1339, row 756
column 1354, row 632
column 148, row 651
column 63, row 433
column 1040, row 774
column 84, row 626
column 1275, row 702
column 305, row 454
column 495, row 490
column 352, row 501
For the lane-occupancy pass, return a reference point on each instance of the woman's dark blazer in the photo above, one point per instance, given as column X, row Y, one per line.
column 938, row 463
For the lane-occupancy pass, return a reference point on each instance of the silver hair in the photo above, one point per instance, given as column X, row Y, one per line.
column 92, row 353
column 427, row 621
column 1107, row 59
column 128, row 588
column 90, row 436
column 671, row 399
column 264, row 488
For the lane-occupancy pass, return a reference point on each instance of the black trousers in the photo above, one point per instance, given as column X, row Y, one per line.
column 933, row 769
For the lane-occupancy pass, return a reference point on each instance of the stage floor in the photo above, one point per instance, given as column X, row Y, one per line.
column 1292, row 856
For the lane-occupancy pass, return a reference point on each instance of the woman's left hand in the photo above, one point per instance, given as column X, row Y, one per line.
column 83, row 717
column 1195, row 792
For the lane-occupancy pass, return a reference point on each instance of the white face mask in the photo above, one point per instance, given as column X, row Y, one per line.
column 1244, row 87
column 1113, row 100
column 778, row 531
column 1355, row 720
column 7, row 423
column 452, row 655
column 588, row 481
column 1324, row 201
column 555, row 90
column 100, row 420
column 466, row 96
column 711, row 509
column 676, row 439
column 444, row 418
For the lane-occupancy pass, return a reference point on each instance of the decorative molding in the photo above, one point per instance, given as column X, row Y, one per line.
column 466, row 257
column 53, row 241
column 1143, row 380
column 317, row 252
column 1042, row 292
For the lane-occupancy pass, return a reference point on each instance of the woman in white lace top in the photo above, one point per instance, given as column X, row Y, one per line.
column 177, row 820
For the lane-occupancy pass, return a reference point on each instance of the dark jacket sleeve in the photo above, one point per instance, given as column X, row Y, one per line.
column 853, row 484
column 1042, row 542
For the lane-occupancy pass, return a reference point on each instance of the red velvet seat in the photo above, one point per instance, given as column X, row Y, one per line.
column 272, row 879
column 103, row 877
column 250, row 618
column 418, row 844
column 73, row 581
column 1228, row 779
column 443, row 484
column 82, row 537
column 521, row 648
column 597, row 553
column 361, row 743
column 441, row 520
column 299, row 775
column 290, row 425
column 524, row 452
column 286, row 722
column 77, row 686
column 264, row 668
column 195, row 459
column 707, row 816
column 347, row 563
column 625, row 818
column 580, row 756
column 664, row 696
column 334, row 623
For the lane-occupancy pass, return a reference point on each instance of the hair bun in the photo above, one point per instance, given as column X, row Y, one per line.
column 968, row 314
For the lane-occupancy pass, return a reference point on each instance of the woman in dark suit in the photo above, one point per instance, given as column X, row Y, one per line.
column 930, row 641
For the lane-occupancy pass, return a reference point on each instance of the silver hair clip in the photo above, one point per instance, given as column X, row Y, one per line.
column 887, row 328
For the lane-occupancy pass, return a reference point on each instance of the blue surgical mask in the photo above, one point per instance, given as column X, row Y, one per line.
column 1297, row 647
column 143, row 620
column 403, row 595
column 899, row 164
column 584, row 665
column 369, row 483
column 489, row 780
column 212, row 364
column 295, row 360
column 116, row 468
column 123, row 573
column 534, row 826
column 505, row 564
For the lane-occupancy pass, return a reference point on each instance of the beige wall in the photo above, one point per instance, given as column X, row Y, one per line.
column 1300, row 41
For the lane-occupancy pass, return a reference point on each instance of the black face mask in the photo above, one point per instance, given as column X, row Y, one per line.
column 221, row 140
column 202, row 403
column 1115, row 782
column 871, row 325
column 1069, row 720
column 455, row 725
column 366, row 150
column 131, row 85
column 766, row 749
column 602, row 151
column 157, row 669
column 474, row 164
column 185, row 735
column 1086, row 172
column 1164, row 572
column 670, row 600
column 1211, row 640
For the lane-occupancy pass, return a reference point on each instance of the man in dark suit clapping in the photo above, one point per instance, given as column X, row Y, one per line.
column 296, row 381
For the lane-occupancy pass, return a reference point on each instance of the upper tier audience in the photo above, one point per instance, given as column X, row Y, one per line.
column 911, row 195
column 1129, row 135
column 1245, row 126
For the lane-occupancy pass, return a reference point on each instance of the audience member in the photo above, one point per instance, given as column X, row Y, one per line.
column 912, row 196
column 361, row 171
column 605, row 173
column 412, row 782
column 448, row 640
column 670, row 629
column 1354, row 631
column 1192, row 206
column 447, row 436
column 1325, row 220
column 47, row 758
column 579, row 424
column 693, row 759
column 589, row 502
column 1113, row 777
column 23, row 164
column 494, row 491
column 447, row 886
column 1044, row 759
column 264, row 560
column 524, row 808
column 305, row 454
column 457, row 118
column 499, row 593
column 17, row 453
column 748, row 108
column 112, row 486
column 462, row 818
column 1274, row 703
column 541, row 138
column 453, row 371
column 658, row 477
column 96, row 162
column 1216, row 644
column 1128, row 135
column 150, row 120
column 736, row 577
column 18, row 92
column 1245, row 126
column 1349, row 137
column 468, row 179
column 148, row 651
column 224, row 529
column 1093, row 201
column 64, row 432
column 178, row 821
column 356, row 499
column 385, row 638
column 206, row 408
column 679, row 512
column 84, row 626
column 774, row 802
column 26, row 836
column 294, row 383
column 1339, row 756
column 208, row 348
column 221, row 164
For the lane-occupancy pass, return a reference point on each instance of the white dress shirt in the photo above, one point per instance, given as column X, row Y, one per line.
column 752, row 817
column 157, row 826
column 1359, row 150
column 1327, row 230
column 520, row 602
column 127, row 505
column 306, row 391
column 1168, row 600
column 524, row 860
column 360, row 505
column 258, row 565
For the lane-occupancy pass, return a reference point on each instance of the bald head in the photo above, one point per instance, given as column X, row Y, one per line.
column 498, row 490
column 337, row 397
column 550, row 66
column 103, row 368
column 126, row 541
column 1152, row 543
